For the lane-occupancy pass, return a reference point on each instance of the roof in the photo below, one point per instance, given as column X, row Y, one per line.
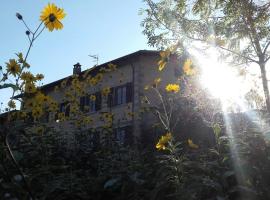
column 95, row 69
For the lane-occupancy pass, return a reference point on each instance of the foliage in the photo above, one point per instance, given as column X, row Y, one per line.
column 238, row 29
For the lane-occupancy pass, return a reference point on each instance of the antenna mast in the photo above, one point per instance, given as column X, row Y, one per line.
column 95, row 58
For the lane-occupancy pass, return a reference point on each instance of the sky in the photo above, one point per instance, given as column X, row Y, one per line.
column 107, row 28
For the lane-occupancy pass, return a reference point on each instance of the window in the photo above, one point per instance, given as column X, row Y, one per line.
column 120, row 95
column 86, row 104
column 65, row 108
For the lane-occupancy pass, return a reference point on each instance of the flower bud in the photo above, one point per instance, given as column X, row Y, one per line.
column 19, row 16
column 5, row 76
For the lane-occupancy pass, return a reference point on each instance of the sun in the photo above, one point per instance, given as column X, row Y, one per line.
column 221, row 80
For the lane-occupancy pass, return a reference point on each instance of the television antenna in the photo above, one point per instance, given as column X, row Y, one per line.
column 95, row 58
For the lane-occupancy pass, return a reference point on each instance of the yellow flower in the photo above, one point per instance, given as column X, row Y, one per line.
column 164, row 59
column 74, row 108
column 30, row 88
column 93, row 81
column 28, row 77
column 188, row 70
column 192, row 145
column 39, row 77
column 13, row 67
column 39, row 96
column 99, row 77
column 220, row 42
column 37, row 112
column 53, row 107
column 46, row 99
column 39, row 130
column 161, row 145
column 11, row 104
column 63, row 84
column 172, row 88
column 23, row 115
column 51, row 16
column 130, row 114
column 102, row 70
column 93, row 97
column 29, row 103
column 107, row 116
column 75, row 82
column 56, row 88
column 112, row 67
column 87, row 120
column 61, row 116
column 105, row 91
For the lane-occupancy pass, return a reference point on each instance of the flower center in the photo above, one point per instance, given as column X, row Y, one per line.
column 52, row 17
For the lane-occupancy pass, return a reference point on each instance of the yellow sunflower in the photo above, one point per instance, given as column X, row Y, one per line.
column 39, row 130
column 51, row 16
column 13, row 67
column 172, row 88
column 112, row 67
column 105, row 91
column 37, row 112
column 164, row 58
column 192, row 145
column 188, row 69
column 93, row 97
column 39, row 77
column 99, row 77
column 161, row 145
column 28, row 77
column 30, row 88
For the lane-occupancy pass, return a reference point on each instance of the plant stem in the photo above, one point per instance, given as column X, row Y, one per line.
column 17, row 166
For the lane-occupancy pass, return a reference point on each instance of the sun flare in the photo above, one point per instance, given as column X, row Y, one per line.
column 221, row 80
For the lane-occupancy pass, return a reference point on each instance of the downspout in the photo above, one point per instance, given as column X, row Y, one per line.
column 133, row 96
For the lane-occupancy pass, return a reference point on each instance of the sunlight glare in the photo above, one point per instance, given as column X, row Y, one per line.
column 220, row 79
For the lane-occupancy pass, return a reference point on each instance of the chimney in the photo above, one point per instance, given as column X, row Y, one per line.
column 77, row 68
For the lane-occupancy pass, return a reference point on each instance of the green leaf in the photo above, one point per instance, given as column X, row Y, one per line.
column 214, row 151
column 20, row 57
column 225, row 158
column 217, row 130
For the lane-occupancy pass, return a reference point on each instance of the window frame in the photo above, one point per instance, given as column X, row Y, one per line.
column 122, row 94
column 87, row 102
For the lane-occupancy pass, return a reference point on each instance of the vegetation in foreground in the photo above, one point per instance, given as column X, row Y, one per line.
column 231, row 162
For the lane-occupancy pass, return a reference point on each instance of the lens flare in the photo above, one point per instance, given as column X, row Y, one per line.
column 220, row 79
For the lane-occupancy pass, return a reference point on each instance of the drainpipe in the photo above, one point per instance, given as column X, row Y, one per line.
column 133, row 96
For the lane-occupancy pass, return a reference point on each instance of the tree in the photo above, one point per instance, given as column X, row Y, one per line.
column 239, row 28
